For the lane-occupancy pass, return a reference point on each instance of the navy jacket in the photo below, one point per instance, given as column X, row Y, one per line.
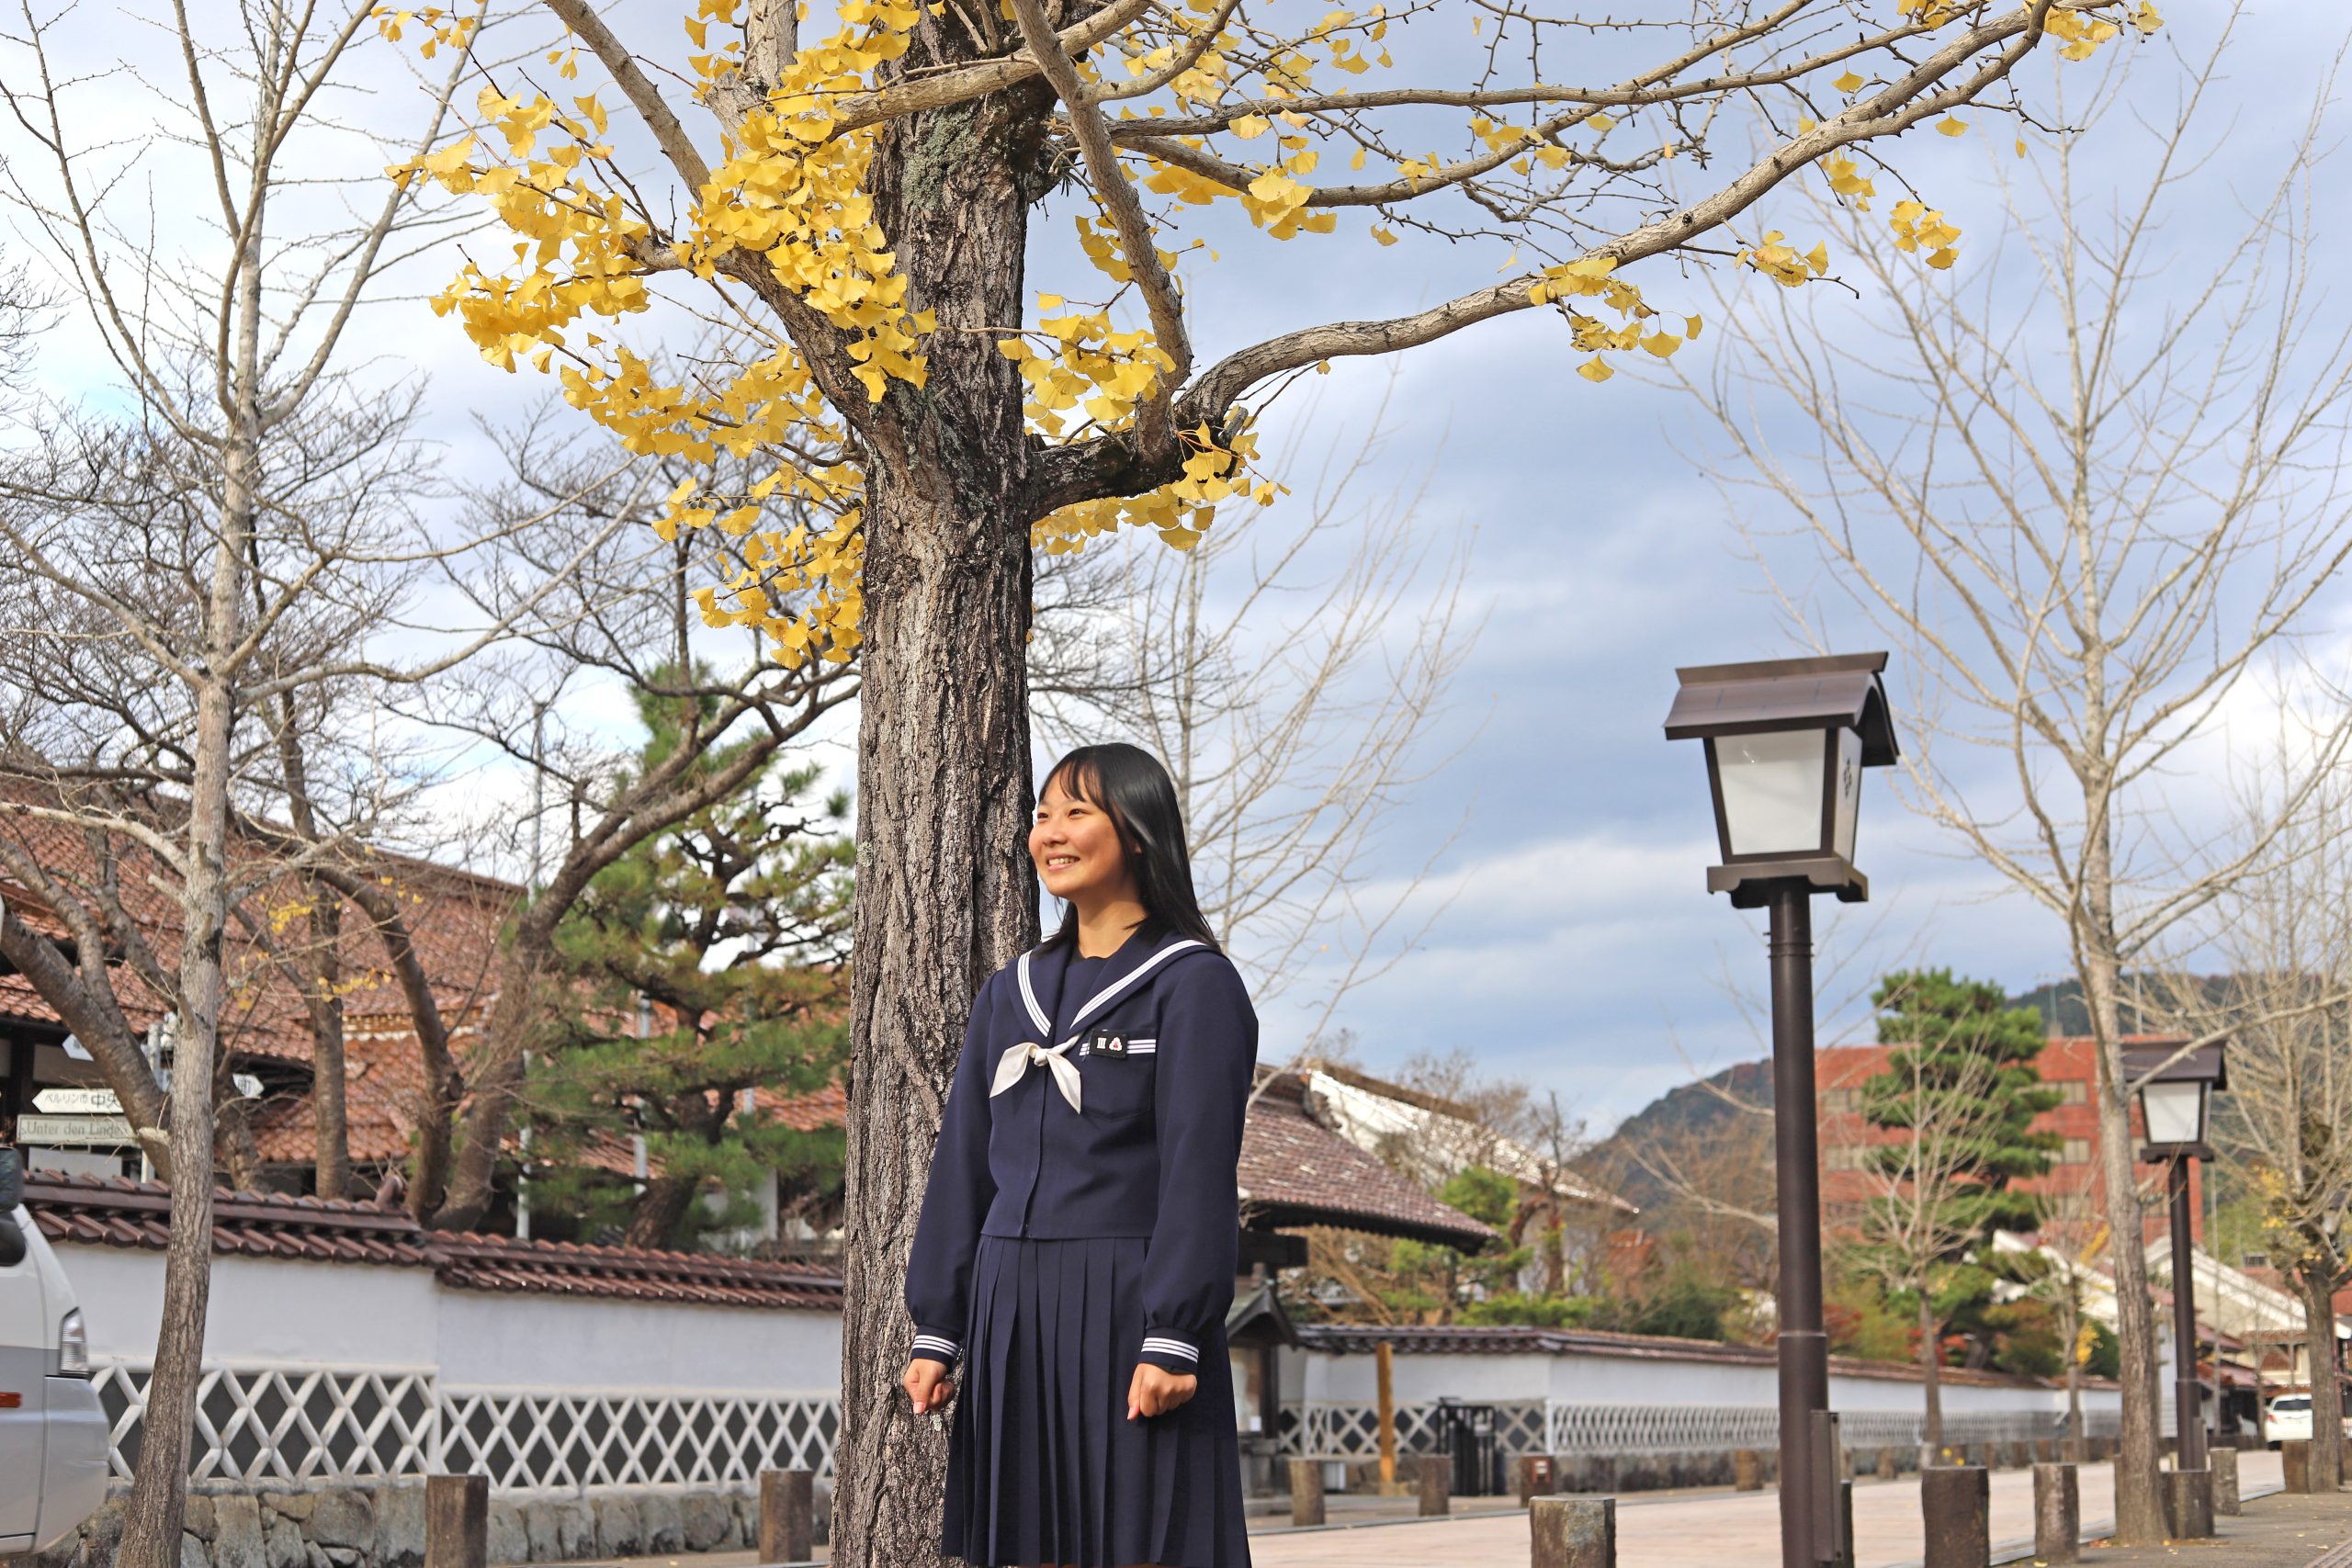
column 1162, row 1052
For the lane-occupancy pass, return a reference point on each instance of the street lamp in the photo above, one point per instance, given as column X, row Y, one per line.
column 1786, row 741
column 2177, row 1083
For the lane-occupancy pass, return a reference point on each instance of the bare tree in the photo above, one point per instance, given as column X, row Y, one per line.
column 1290, row 667
column 2285, row 1004
column 2085, row 529
column 222, row 553
column 1913, row 1220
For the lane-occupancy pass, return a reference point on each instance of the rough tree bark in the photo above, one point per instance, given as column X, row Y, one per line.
column 943, row 788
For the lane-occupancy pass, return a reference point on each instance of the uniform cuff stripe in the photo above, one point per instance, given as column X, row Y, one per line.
column 934, row 1342
column 1167, row 1346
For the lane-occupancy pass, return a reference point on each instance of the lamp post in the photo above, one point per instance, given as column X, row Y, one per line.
column 1786, row 741
column 2177, row 1084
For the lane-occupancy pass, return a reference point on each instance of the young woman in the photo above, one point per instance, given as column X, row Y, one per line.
column 1077, row 1244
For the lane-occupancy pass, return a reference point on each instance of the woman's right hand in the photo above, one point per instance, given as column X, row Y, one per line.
column 927, row 1384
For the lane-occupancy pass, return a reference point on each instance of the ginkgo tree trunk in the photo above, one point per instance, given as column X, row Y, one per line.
column 857, row 210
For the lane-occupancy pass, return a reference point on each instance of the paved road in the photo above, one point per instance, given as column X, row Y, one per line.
column 1709, row 1530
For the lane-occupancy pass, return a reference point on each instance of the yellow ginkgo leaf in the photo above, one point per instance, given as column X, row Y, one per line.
column 1848, row 81
column 1951, row 125
column 1383, row 235
column 1595, row 370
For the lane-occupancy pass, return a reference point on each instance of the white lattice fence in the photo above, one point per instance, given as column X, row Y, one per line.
column 1627, row 1429
column 294, row 1427
column 530, row 1438
column 1351, row 1431
column 288, row 1425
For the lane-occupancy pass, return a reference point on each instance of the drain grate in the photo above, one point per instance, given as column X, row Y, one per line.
column 2340, row 1558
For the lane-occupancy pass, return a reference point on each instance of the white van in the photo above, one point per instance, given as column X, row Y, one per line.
column 53, row 1433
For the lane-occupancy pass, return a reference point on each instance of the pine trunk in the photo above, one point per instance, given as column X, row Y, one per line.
column 945, row 891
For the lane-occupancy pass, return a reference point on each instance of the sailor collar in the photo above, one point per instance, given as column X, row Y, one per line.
column 1042, row 972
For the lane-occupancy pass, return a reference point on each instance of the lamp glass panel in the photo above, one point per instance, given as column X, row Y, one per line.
column 1850, row 792
column 1771, row 791
column 2174, row 1111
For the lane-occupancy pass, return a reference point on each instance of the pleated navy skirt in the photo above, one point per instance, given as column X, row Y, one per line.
column 1044, row 1468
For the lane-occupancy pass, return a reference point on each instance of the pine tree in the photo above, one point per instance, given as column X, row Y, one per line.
column 1963, row 1088
column 712, row 962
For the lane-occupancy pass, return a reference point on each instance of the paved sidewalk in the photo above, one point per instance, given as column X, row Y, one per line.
column 1741, row 1530
column 2277, row 1531
column 1709, row 1530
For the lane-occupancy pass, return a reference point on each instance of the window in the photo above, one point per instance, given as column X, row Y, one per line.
column 1841, row 1102
column 2074, row 1091
column 2075, row 1151
column 1842, row 1156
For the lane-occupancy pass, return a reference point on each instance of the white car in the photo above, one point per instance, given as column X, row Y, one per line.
column 2288, row 1419
column 52, row 1432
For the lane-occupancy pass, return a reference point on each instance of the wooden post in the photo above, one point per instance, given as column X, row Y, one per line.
column 456, row 1521
column 1886, row 1464
column 1436, row 1476
column 1747, row 1471
column 1573, row 1532
column 787, row 1516
column 1307, row 1492
column 2057, row 1514
column 1384, row 1360
column 1538, row 1477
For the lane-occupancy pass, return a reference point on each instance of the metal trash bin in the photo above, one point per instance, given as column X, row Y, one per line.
column 1467, row 1435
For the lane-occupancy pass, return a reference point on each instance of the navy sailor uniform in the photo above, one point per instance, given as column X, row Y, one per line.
column 1082, row 1216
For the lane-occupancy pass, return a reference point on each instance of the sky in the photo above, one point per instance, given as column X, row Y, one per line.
column 1569, row 939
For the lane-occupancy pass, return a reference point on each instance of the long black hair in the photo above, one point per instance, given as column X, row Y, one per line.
column 1128, row 785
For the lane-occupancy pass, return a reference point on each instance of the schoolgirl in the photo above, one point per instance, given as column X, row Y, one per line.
column 1076, row 1249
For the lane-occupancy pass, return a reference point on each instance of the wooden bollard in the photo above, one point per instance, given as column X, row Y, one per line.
column 1886, row 1464
column 2045, row 1451
column 456, row 1521
column 2057, row 1514
column 1307, row 1492
column 1573, row 1532
column 1538, row 1477
column 2295, row 1461
column 2223, row 1462
column 1747, row 1471
column 2189, row 1503
column 787, row 1516
column 1955, row 1504
column 1435, row 1474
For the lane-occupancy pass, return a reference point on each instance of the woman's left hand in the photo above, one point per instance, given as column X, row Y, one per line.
column 1152, row 1392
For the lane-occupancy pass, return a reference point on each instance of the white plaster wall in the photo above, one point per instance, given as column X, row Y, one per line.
column 263, row 1310
column 506, row 1339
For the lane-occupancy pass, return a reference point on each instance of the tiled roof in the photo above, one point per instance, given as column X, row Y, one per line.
column 111, row 1211
column 1358, row 1339
column 1295, row 1171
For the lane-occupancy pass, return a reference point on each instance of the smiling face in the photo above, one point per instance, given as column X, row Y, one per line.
column 1075, row 846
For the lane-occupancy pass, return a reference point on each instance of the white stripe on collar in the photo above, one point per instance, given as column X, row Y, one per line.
column 1119, row 986
column 1029, row 999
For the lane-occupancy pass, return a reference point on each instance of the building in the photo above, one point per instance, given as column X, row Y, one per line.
column 1431, row 1139
column 2068, row 1064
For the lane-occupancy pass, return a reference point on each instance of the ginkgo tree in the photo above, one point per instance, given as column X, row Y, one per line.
column 855, row 212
